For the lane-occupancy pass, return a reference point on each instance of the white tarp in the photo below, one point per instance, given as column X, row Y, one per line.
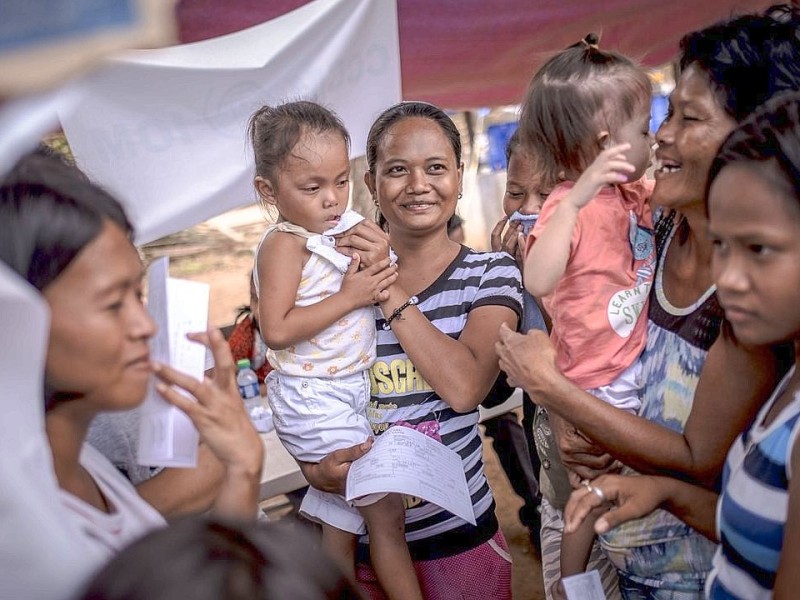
column 42, row 553
column 165, row 130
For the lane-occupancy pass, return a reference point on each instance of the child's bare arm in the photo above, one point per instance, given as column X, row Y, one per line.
column 280, row 265
column 610, row 167
column 548, row 257
column 628, row 497
column 576, row 546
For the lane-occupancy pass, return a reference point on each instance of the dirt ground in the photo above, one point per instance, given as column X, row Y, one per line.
column 220, row 253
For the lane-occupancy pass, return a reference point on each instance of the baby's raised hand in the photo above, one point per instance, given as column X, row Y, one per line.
column 369, row 285
column 609, row 167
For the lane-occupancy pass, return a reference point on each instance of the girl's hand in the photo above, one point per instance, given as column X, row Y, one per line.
column 367, row 286
column 620, row 497
column 512, row 241
column 610, row 167
column 219, row 413
column 330, row 474
column 367, row 239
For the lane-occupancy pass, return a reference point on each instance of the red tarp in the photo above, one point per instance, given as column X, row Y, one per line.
column 469, row 53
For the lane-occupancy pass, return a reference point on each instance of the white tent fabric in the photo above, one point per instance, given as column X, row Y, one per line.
column 42, row 554
column 165, row 130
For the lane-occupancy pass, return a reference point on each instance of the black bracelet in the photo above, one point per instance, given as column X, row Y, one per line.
column 396, row 312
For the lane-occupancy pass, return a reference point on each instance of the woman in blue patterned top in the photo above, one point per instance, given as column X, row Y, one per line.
column 436, row 335
column 754, row 225
column 727, row 70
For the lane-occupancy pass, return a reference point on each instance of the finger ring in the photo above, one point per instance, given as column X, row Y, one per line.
column 599, row 493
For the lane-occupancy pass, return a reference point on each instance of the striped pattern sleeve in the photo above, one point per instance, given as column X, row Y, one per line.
column 753, row 507
column 501, row 282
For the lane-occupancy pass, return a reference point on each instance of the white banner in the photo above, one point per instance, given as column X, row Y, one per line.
column 165, row 130
column 42, row 552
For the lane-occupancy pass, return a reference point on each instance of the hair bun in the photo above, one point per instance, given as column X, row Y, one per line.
column 592, row 40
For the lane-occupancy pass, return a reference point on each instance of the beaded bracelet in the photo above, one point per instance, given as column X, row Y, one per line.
column 396, row 312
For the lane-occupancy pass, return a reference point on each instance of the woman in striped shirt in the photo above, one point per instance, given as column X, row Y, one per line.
column 435, row 349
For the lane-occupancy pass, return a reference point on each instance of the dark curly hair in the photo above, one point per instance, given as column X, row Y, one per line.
column 749, row 58
column 770, row 133
column 49, row 212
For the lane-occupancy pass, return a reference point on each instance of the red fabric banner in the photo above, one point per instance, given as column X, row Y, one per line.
column 469, row 53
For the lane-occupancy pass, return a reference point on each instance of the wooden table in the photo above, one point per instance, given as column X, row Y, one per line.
column 280, row 473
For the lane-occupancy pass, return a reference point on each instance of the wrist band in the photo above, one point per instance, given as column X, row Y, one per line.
column 396, row 312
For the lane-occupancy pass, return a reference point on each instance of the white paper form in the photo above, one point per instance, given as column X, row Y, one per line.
column 167, row 436
column 405, row 461
column 584, row 586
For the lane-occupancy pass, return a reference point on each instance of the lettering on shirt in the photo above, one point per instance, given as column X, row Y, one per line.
column 396, row 377
column 625, row 308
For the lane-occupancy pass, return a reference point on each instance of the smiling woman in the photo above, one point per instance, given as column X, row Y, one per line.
column 695, row 126
column 448, row 301
column 417, row 182
column 754, row 221
column 316, row 318
column 686, row 423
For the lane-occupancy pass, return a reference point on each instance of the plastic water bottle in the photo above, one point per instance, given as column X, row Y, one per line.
column 249, row 390
column 248, row 382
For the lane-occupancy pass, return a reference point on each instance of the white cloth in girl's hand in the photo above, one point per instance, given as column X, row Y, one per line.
column 324, row 244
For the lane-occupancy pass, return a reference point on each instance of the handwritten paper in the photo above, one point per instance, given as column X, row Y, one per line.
column 167, row 437
column 584, row 586
column 405, row 461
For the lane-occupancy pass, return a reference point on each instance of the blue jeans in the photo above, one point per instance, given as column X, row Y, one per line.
column 633, row 590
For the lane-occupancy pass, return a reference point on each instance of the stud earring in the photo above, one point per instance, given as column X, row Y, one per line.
column 460, row 195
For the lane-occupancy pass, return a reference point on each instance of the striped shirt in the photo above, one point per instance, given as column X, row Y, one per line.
column 400, row 394
column 752, row 508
